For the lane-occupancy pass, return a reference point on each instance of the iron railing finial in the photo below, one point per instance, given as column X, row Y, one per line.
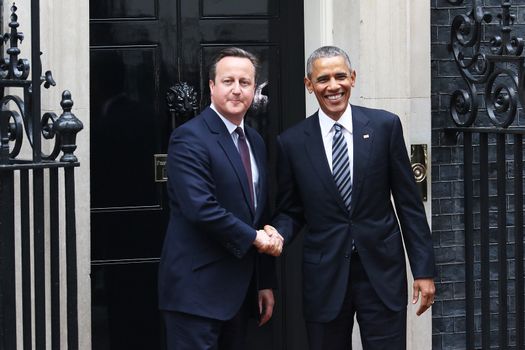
column 67, row 126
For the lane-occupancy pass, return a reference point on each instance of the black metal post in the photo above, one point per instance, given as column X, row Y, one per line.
column 502, row 241
column 7, row 262
column 71, row 243
column 7, row 243
column 469, row 238
column 54, row 258
column 485, row 240
column 26, row 260
column 518, row 227
column 39, row 259
column 36, row 73
column 38, row 182
column 67, row 127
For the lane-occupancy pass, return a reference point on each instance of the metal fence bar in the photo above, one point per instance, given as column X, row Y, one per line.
column 469, row 238
column 39, row 259
column 54, row 258
column 36, row 73
column 25, row 259
column 7, row 262
column 71, row 259
column 38, row 181
column 502, row 242
column 518, row 227
column 484, row 233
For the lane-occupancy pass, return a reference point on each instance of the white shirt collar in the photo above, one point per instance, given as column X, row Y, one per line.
column 229, row 125
column 327, row 123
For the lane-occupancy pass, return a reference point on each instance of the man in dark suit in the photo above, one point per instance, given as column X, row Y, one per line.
column 337, row 172
column 218, row 195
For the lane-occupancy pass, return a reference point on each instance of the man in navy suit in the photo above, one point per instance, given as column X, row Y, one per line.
column 218, row 196
column 337, row 172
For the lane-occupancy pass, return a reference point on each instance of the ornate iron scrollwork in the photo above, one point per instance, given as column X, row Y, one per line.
column 15, row 123
column 182, row 103
column 13, row 67
column 260, row 100
column 14, row 73
column 498, row 66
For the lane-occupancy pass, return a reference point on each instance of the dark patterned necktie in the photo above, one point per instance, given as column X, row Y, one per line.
column 245, row 156
column 341, row 165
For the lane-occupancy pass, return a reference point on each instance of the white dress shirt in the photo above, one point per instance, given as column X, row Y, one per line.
column 327, row 132
column 231, row 129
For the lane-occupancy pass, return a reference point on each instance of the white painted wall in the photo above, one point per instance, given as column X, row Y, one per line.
column 65, row 43
column 389, row 46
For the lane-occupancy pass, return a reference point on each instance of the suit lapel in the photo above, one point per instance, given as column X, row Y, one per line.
column 363, row 137
column 315, row 151
column 225, row 141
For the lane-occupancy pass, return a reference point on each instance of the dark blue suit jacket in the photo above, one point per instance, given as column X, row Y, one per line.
column 308, row 195
column 208, row 259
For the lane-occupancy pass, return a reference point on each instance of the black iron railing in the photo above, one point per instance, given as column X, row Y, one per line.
column 493, row 72
column 30, row 193
column 493, row 216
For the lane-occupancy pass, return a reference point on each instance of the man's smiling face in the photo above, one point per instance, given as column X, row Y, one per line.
column 331, row 81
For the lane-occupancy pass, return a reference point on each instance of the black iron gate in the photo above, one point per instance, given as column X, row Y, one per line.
column 489, row 58
column 31, row 200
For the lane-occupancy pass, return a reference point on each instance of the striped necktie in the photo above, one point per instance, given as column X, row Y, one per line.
column 341, row 165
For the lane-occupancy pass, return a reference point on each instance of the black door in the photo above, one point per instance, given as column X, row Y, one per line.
column 140, row 49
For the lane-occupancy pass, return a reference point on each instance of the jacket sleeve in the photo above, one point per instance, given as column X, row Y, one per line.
column 289, row 218
column 409, row 207
column 192, row 184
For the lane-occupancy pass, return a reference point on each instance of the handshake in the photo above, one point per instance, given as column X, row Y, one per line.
column 269, row 241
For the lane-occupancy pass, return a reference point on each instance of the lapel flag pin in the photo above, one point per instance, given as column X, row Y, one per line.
column 365, row 136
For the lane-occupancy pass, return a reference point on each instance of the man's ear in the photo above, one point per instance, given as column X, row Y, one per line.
column 309, row 85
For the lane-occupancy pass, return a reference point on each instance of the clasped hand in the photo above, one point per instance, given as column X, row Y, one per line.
column 269, row 241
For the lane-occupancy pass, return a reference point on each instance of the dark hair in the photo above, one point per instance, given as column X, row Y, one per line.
column 232, row 52
column 326, row 51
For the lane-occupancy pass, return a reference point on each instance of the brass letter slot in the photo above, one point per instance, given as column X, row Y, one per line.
column 161, row 174
column 419, row 160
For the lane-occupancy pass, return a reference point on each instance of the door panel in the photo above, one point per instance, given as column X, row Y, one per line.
column 126, row 81
column 124, row 306
column 122, row 9
column 225, row 8
column 139, row 50
column 137, row 234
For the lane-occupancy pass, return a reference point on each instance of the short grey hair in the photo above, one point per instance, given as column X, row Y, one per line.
column 326, row 51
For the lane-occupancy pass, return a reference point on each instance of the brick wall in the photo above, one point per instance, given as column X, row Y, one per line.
column 448, row 318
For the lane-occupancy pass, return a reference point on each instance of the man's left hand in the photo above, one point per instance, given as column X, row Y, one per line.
column 425, row 287
column 266, row 303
